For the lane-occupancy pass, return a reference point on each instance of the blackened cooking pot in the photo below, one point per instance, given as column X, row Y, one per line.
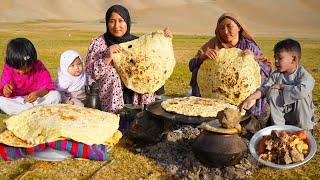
column 218, row 150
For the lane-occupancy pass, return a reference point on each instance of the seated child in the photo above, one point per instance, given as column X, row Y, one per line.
column 25, row 82
column 71, row 79
column 289, row 89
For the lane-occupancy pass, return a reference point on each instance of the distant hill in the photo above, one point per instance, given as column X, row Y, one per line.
column 288, row 18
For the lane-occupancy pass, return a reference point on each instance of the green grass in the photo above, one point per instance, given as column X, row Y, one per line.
column 50, row 42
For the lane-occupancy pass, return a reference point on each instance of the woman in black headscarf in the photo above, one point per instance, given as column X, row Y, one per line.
column 99, row 66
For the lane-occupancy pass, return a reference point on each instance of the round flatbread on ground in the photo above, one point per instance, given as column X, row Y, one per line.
column 144, row 64
column 230, row 76
column 196, row 106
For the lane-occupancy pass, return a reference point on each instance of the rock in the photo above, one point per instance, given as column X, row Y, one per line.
column 216, row 177
column 205, row 176
column 174, row 136
column 240, row 166
column 216, row 172
column 138, row 150
column 172, row 169
column 230, row 172
column 229, row 118
column 145, row 128
column 248, row 173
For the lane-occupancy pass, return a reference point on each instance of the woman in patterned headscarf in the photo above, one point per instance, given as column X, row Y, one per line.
column 99, row 66
column 231, row 32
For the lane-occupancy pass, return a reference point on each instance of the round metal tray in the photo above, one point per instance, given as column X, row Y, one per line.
column 50, row 154
column 267, row 131
column 156, row 110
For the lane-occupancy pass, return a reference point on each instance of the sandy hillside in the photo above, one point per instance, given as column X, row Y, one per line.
column 285, row 18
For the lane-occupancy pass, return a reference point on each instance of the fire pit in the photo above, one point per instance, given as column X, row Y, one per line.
column 212, row 149
column 174, row 153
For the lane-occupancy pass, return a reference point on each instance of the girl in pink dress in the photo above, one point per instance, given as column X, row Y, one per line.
column 25, row 82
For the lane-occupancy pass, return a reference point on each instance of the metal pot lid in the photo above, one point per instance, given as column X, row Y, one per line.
column 50, row 154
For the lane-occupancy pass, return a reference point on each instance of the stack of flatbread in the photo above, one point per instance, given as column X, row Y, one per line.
column 61, row 121
column 231, row 76
column 196, row 106
column 144, row 64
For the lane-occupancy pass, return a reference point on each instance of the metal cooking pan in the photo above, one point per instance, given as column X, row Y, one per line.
column 157, row 111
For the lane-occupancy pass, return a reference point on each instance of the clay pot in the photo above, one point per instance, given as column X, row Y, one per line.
column 218, row 150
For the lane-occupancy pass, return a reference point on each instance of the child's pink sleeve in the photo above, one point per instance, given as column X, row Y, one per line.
column 44, row 78
column 6, row 77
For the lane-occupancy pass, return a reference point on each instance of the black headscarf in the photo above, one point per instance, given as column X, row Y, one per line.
column 124, row 13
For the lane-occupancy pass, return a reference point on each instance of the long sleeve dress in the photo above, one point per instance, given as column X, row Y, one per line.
column 259, row 109
column 109, row 82
column 23, row 84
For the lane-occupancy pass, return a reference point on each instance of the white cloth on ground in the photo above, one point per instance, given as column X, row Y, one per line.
column 15, row 105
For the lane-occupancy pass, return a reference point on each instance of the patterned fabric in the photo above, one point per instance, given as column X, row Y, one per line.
column 109, row 82
column 78, row 150
column 8, row 153
column 37, row 79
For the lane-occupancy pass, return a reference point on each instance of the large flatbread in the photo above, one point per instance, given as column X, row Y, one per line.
column 230, row 76
column 144, row 64
column 196, row 106
column 51, row 122
column 8, row 138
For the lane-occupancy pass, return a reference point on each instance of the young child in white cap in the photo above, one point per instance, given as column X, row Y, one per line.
column 71, row 79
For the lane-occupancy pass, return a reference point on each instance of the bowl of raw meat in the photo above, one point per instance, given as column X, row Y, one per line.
column 283, row 146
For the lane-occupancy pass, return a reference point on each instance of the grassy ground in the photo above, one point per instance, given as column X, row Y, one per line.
column 51, row 42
